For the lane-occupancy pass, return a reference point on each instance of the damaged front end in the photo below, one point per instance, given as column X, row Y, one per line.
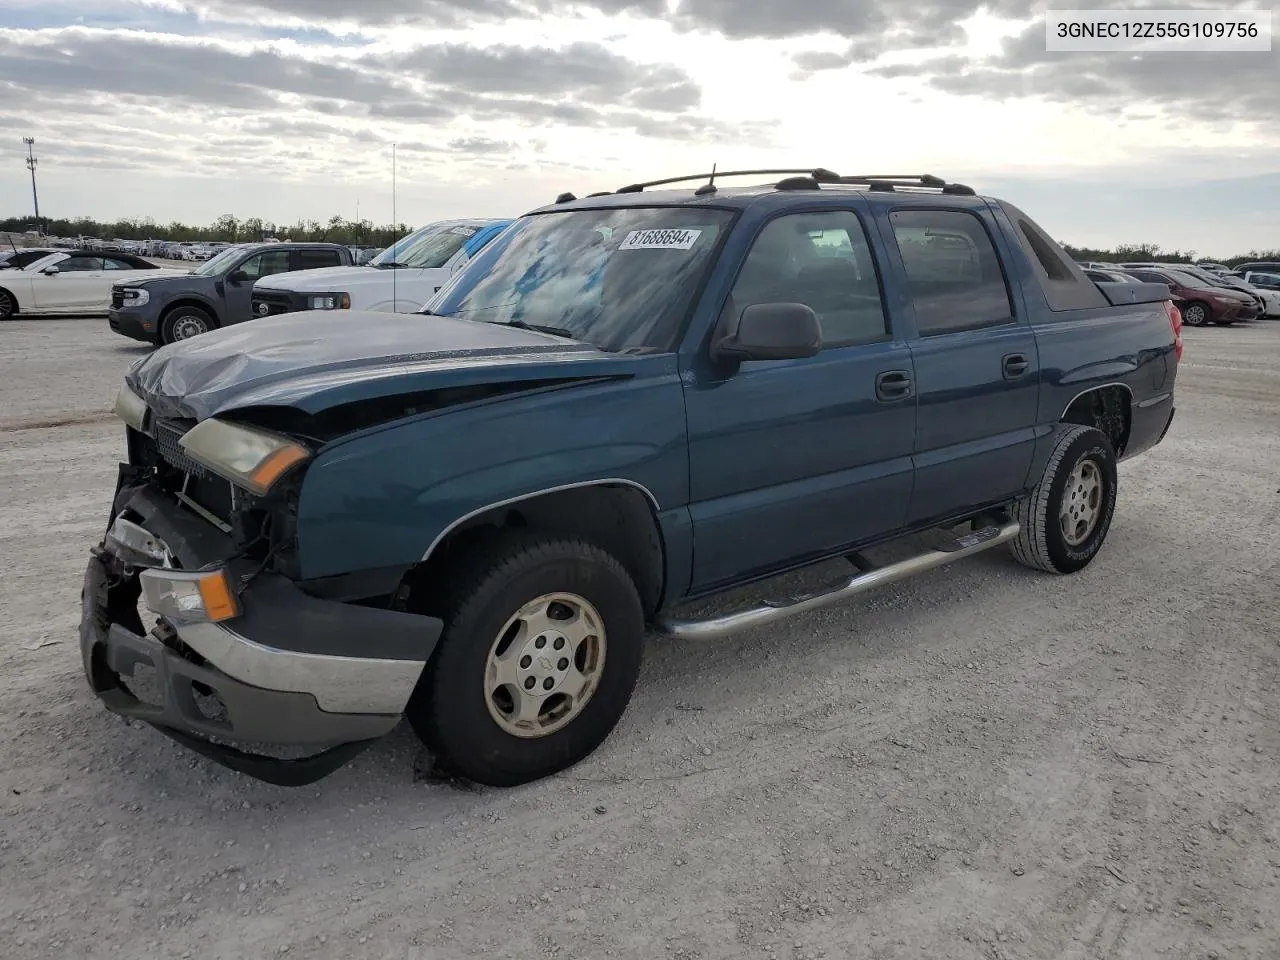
column 243, row 664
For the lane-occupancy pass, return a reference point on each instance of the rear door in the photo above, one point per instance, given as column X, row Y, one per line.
column 976, row 364
column 795, row 459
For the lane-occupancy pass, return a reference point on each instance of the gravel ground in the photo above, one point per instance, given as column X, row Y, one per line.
column 981, row 763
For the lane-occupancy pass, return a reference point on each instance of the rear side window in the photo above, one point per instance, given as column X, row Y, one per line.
column 823, row 261
column 315, row 259
column 1061, row 280
column 953, row 273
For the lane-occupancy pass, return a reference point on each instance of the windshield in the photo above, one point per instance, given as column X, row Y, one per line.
column 1187, row 279
column 618, row 279
column 216, row 265
column 429, row 248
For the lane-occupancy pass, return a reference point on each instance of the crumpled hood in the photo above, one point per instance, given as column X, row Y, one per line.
column 319, row 359
column 344, row 279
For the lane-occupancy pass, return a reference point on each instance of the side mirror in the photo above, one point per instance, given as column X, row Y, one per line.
column 237, row 276
column 771, row 331
column 49, row 271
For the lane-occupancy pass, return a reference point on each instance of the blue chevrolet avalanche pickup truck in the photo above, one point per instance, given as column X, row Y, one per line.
column 470, row 515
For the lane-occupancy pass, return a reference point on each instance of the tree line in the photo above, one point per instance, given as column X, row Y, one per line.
column 1143, row 252
column 229, row 229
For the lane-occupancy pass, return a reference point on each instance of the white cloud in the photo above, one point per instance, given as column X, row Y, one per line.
column 275, row 108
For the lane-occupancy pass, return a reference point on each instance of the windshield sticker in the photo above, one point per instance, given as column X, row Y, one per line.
column 463, row 231
column 660, row 240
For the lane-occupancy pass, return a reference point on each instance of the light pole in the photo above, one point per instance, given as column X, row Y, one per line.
column 31, row 165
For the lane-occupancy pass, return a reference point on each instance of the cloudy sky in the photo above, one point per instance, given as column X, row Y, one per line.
column 282, row 109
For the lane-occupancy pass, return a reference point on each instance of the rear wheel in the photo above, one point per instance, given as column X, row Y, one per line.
column 540, row 653
column 8, row 305
column 1067, row 517
column 184, row 323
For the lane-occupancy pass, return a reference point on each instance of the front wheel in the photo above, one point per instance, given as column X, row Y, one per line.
column 185, row 323
column 1067, row 516
column 1197, row 314
column 8, row 305
column 540, row 654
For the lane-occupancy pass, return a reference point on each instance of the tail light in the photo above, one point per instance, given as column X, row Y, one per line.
column 1175, row 321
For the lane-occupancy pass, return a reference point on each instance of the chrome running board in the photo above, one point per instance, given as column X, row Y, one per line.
column 773, row 611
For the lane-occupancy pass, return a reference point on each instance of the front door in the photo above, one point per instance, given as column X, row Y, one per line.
column 976, row 364
column 238, row 293
column 79, row 284
column 794, row 459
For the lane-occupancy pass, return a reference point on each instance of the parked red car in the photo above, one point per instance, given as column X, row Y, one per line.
column 1200, row 303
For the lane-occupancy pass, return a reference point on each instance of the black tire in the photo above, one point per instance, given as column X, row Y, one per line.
column 1042, row 543
column 450, row 707
column 8, row 304
column 181, row 319
column 1197, row 314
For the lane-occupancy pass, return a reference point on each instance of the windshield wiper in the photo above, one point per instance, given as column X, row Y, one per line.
column 391, row 265
column 541, row 328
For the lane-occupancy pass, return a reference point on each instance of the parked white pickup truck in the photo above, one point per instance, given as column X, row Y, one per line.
column 399, row 280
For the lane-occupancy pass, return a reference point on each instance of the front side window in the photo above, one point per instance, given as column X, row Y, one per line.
column 953, row 272
column 79, row 264
column 820, row 259
column 265, row 264
column 620, row 279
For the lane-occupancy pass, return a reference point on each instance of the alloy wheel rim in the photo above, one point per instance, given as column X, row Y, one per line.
column 1081, row 503
column 545, row 665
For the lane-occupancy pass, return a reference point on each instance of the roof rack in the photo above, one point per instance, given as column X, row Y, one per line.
column 812, row 179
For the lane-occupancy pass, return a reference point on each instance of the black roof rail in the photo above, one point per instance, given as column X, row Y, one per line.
column 812, row 179
column 814, row 172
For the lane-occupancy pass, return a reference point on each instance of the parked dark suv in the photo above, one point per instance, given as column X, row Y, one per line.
column 216, row 293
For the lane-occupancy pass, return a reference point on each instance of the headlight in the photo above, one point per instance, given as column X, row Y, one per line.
column 251, row 458
column 135, row 296
column 131, row 408
column 194, row 597
column 330, row 301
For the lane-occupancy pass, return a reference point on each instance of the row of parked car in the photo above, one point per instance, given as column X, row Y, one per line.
column 1206, row 293
column 163, row 303
column 186, row 250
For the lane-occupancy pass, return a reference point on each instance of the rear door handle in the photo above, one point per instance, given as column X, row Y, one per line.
column 1015, row 365
column 893, row 385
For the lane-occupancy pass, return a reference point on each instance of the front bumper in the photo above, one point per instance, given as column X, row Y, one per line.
column 289, row 672
column 134, row 323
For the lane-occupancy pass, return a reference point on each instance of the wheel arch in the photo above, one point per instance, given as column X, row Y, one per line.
column 191, row 301
column 1107, row 407
column 619, row 516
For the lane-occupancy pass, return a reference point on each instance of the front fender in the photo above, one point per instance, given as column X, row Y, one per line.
column 383, row 497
